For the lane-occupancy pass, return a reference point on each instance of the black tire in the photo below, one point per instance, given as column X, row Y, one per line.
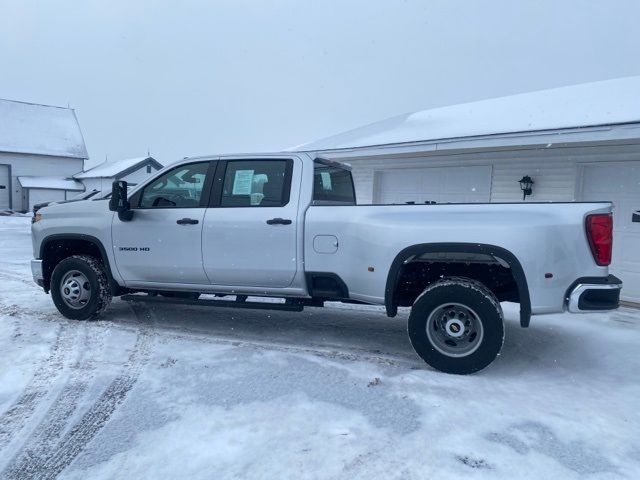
column 97, row 284
column 443, row 305
column 185, row 295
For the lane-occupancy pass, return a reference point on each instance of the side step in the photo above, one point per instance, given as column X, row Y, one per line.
column 287, row 307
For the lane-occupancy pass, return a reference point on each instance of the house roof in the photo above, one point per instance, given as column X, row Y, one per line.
column 40, row 129
column 606, row 102
column 118, row 168
column 52, row 183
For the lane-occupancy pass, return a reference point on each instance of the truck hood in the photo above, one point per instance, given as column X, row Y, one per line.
column 75, row 209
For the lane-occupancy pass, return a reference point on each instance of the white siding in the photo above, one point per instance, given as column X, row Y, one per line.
column 554, row 170
column 92, row 184
column 36, row 165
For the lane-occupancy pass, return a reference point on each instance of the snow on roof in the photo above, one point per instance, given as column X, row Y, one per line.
column 113, row 169
column 589, row 104
column 53, row 183
column 40, row 129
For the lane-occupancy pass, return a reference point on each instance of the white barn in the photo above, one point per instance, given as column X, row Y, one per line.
column 577, row 143
column 132, row 170
column 41, row 147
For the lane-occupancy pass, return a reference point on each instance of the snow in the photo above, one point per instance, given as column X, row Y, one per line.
column 590, row 104
column 53, row 183
column 187, row 392
column 40, row 129
column 111, row 169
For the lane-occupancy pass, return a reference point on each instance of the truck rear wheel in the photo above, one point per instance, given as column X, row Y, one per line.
column 456, row 325
column 80, row 287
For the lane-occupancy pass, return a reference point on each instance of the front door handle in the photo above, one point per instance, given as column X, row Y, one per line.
column 187, row 221
column 279, row 221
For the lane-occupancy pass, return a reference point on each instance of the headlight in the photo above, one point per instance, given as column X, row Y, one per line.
column 36, row 218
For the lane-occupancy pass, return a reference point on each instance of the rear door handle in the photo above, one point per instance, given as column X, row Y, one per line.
column 279, row 221
column 187, row 221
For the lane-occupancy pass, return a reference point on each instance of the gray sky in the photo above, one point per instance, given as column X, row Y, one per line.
column 195, row 77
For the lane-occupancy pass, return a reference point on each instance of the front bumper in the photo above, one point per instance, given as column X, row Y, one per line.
column 594, row 294
column 36, row 271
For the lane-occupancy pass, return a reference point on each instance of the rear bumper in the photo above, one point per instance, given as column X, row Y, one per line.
column 594, row 294
column 36, row 271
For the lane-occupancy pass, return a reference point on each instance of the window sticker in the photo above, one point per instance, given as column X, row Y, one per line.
column 242, row 182
column 326, row 180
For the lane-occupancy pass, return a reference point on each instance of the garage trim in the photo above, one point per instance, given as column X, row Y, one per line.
column 10, row 186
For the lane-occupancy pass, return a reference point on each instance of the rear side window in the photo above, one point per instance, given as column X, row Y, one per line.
column 256, row 183
column 332, row 185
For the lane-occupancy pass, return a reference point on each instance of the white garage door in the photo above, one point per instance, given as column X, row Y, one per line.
column 4, row 188
column 41, row 195
column 437, row 184
column 620, row 183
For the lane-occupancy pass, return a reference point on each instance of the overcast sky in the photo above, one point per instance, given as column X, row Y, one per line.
column 194, row 77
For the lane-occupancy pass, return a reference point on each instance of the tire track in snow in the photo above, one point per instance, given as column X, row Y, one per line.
column 27, row 462
column 405, row 358
column 97, row 416
column 46, row 373
column 19, row 278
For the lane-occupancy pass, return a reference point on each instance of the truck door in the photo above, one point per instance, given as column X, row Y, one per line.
column 163, row 241
column 250, row 228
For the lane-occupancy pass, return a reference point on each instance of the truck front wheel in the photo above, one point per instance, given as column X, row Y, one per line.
column 456, row 325
column 80, row 287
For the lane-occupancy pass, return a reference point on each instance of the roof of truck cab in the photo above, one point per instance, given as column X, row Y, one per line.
column 608, row 102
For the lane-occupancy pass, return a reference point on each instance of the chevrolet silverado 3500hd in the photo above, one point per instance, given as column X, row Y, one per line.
column 287, row 225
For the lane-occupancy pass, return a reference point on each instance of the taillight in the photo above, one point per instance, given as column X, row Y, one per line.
column 600, row 235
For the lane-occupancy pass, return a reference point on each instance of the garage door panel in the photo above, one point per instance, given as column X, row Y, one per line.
column 608, row 179
column 631, row 285
column 628, row 249
column 398, row 180
column 468, row 179
column 40, row 195
column 435, row 184
column 619, row 183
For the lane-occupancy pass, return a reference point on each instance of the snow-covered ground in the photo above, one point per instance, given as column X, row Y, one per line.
column 178, row 392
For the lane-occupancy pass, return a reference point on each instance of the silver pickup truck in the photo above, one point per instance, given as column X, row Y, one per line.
column 288, row 226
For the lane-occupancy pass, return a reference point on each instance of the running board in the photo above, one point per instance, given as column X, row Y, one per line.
column 287, row 307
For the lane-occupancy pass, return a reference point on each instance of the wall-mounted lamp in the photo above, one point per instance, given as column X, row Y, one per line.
column 525, row 185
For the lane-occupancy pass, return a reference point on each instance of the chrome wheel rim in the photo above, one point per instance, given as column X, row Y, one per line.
column 454, row 330
column 75, row 289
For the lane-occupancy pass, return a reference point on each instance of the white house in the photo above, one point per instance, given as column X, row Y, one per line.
column 577, row 143
column 133, row 170
column 41, row 147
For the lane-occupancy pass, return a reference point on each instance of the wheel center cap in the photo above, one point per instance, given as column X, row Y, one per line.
column 455, row 327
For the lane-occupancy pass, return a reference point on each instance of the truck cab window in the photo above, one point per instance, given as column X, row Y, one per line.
column 178, row 188
column 256, row 183
column 332, row 185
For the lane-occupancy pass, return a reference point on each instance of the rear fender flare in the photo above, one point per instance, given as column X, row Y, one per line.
column 516, row 268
